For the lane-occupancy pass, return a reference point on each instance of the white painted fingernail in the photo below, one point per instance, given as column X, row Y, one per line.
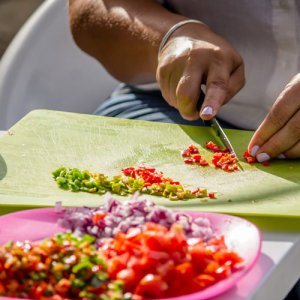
column 254, row 150
column 207, row 111
column 281, row 156
column 262, row 157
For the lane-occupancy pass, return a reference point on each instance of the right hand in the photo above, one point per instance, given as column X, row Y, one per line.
column 194, row 55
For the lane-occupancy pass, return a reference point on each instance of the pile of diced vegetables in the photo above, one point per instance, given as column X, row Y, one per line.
column 60, row 267
column 121, row 250
column 143, row 179
column 118, row 216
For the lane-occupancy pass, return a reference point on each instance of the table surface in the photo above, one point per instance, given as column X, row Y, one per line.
column 275, row 272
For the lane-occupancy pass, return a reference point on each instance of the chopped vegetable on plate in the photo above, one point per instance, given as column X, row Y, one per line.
column 124, row 250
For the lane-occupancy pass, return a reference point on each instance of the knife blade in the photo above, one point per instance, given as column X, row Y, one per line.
column 219, row 132
column 215, row 125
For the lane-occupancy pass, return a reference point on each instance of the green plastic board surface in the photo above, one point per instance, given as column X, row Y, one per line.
column 45, row 140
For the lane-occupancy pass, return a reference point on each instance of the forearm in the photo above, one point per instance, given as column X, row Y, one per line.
column 123, row 35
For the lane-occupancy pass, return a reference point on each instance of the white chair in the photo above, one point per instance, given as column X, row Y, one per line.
column 43, row 68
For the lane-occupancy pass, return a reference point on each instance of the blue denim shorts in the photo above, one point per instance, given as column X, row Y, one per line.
column 130, row 102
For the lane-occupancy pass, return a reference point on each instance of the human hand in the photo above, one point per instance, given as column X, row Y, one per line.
column 194, row 56
column 279, row 134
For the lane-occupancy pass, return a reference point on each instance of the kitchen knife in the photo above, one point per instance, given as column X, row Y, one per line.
column 217, row 129
column 219, row 132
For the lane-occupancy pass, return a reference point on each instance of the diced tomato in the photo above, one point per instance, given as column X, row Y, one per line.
column 203, row 162
column 151, row 286
column 196, row 158
column 2, row 289
column 200, row 257
column 149, row 175
column 130, row 171
column 214, row 147
column 193, row 149
column 98, row 216
column 185, row 271
column 175, row 182
column 212, row 195
column 225, row 256
column 223, row 166
column 57, row 297
column 197, row 190
column 115, row 265
column 129, row 277
column 161, row 263
column 165, row 270
column 222, row 272
column 186, row 153
column 204, row 280
column 218, row 241
column 188, row 161
column 225, row 161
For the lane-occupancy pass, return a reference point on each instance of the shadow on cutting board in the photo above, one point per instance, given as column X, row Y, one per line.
column 3, row 168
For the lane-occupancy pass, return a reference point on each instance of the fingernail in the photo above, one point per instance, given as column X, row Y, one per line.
column 281, row 156
column 262, row 157
column 254, row 150
column 207, row 111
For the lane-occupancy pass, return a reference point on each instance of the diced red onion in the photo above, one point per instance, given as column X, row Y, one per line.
column 122, row 215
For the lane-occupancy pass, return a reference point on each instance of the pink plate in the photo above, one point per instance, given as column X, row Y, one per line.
column 240, row 236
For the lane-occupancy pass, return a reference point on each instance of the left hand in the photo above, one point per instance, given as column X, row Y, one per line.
column 279, row 134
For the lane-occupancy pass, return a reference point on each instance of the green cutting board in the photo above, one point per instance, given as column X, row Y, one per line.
column 45, row 140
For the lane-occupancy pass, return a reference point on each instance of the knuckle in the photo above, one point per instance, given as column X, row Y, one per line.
column 169, row 99
column 185, row 79
column 276, row 118
column 188, row 115
column 294, row 128
column 162, row 71
column 219, row 56
column 218, row 52
column 183, row 89
column 272, row 147
column 238, row 59
column 187, row 108
column 219, row 83
column 224, row 55
column 163, row 67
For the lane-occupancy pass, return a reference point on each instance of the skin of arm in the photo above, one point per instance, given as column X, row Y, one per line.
column 124, row 36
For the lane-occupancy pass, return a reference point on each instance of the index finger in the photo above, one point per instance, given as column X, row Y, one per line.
column 282, row 111
column 217, row 86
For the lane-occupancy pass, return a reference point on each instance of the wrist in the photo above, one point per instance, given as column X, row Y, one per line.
column 177, row 30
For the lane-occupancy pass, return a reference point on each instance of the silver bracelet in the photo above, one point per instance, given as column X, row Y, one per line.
column 173, row 29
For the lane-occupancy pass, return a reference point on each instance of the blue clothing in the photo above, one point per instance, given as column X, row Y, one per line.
column 131, row 102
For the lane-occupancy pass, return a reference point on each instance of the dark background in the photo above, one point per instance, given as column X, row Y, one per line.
column 13, row 14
